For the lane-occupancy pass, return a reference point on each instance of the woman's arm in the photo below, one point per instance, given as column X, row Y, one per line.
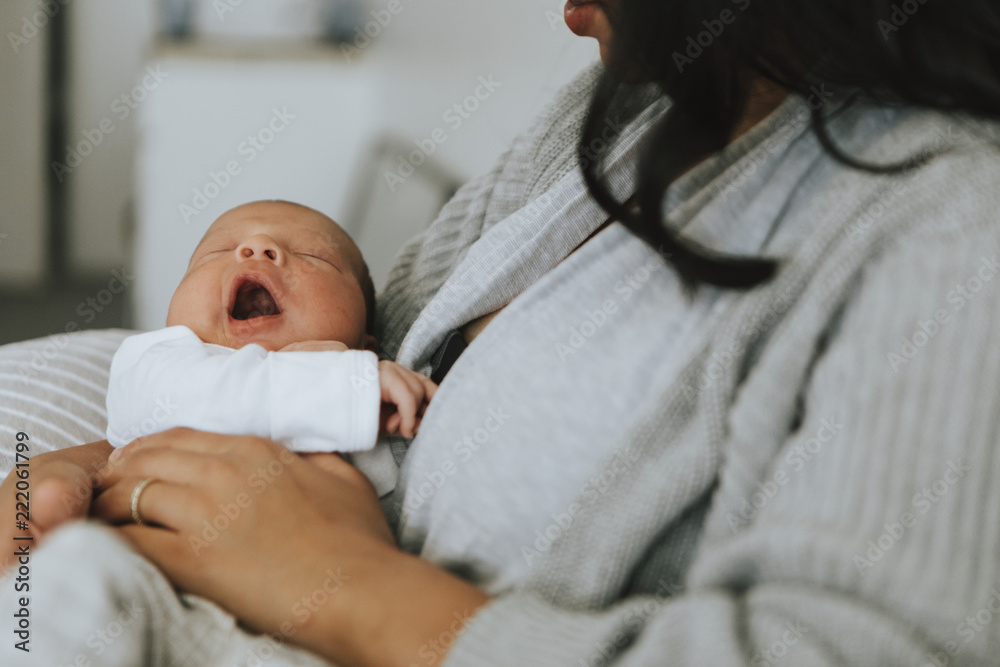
column 404, row 610
column 308, row 533
column 60, row 486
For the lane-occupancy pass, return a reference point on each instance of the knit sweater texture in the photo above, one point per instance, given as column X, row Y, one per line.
column 805, row 473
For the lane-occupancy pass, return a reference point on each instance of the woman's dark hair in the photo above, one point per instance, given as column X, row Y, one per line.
column 942, row 54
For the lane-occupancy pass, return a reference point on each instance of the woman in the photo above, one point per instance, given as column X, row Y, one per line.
column 668, row 447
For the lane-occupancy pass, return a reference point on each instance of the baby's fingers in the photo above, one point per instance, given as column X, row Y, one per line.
column 430, row 387
column 409, row 392
column 395, row 390
column 406, row 411
column 392, row 424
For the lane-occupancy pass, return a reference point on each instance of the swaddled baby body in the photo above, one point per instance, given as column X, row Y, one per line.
column 270, row 334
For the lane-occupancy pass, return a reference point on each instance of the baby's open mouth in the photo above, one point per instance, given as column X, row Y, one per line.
column 253, row 300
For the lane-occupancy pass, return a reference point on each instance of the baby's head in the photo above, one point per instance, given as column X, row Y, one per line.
column 276, row 273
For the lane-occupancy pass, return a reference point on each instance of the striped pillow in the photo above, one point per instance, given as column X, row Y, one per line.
column 53, row 390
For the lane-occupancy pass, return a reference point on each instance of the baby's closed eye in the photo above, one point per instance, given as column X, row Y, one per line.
column 321, row 256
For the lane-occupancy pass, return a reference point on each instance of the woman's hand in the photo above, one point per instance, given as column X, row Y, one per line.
column 233, row 518
column 288, row 544
column 60, row 487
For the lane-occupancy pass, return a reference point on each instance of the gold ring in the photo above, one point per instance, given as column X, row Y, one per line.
column 136, row 492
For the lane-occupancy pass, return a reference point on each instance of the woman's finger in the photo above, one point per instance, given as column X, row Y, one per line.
column 220, row 471
column 62, row 492
column 179, row 467
column 169, row 551
column 184, row 439
column 160, row 503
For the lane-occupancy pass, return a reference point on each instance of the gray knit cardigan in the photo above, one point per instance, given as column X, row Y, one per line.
column 825, row 469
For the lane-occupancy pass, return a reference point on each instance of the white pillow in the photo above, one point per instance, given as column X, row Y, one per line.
column 53, row 390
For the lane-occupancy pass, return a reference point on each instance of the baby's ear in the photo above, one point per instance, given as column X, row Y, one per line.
column 369, row 342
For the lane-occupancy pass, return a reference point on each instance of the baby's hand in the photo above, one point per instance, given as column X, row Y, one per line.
column 405, row 395
column 315, row 346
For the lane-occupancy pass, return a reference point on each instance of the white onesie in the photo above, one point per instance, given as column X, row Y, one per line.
column 307, row 401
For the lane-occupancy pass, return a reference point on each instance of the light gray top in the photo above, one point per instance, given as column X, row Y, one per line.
column 805, row 470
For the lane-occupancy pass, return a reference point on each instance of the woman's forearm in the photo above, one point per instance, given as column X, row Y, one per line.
column 394, row 609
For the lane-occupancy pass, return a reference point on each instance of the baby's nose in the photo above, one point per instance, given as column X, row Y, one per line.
column 260, row 246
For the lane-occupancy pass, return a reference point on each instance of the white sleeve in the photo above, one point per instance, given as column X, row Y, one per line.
column 307, row 401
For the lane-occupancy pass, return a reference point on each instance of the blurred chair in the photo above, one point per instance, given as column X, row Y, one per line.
column 382, row 213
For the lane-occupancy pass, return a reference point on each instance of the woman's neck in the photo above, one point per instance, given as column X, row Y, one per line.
column 764, row 97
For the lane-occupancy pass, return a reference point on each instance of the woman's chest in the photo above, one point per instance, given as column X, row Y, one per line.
column 531, row 416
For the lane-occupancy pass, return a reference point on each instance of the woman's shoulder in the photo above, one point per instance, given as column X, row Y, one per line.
column 953, row 189
column 940, row 146
column 942, row 180
column 866, row 237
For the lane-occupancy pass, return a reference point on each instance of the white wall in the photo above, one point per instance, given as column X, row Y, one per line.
column 23, row 210
column 434, row 52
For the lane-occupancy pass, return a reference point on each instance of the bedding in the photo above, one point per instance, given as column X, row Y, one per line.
column 53, row 390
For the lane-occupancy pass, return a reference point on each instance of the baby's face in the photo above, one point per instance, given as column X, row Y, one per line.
column 273, row 273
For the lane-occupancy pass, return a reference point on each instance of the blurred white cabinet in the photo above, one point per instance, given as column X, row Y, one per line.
column 225, row 128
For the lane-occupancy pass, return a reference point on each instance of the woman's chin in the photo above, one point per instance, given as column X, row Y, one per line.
column 585, row 18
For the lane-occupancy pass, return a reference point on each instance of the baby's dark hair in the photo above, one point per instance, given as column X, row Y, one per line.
column 360, row 269
column 368, row 289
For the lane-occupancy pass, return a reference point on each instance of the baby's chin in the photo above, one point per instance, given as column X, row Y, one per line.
column 271, row 343
column 270, row 346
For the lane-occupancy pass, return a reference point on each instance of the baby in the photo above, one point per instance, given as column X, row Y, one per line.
column 270, row 334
